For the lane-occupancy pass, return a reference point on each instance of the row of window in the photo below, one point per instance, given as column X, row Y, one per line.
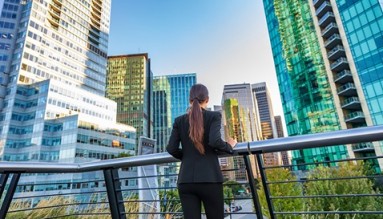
column 10, row 7
column 66, row 105
column 20, row 130
column 94, row 154
column 9, row 15
column 7, row 25
column 5, row 46
column 3, row 57
column 6, row 35
column 22, row 117
column 85, row 139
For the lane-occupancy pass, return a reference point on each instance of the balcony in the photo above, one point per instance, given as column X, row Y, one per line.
column 330, row 29
column 347, row 89
column 363, row 147
column 325, row 7
column 326, row 19
column 355, row 117
column 116, row 195
column 343, row 77
column 340, row 64
column 316, row 3
column 336, row 53
column 332, row 41
column 351, row 103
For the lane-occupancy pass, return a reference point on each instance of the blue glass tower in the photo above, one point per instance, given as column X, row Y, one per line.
column 171, row 99
column 328, row 55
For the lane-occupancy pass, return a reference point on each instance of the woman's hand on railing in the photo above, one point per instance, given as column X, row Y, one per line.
column 232, row 142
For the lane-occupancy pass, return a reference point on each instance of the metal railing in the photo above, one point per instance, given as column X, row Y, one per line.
column 111, row 192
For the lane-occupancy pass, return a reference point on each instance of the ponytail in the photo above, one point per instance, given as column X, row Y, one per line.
column 196, row 129
column 198, row 94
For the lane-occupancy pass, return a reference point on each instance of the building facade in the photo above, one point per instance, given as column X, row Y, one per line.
column 327, row 56
column 241, row 121
column 53, row 57
column 285, row 155
column 171, row 99
column 266, row 117
column 129, row 83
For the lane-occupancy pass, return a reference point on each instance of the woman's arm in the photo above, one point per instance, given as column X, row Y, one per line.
column 215, row 139
column 173, row 146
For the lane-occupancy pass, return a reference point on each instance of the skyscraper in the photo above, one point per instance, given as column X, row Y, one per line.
column 241, row 121
column 52, row 76
column 129, row 83
column 266, row 117
column 327, row 56
column 280, row 134
column 170, row 100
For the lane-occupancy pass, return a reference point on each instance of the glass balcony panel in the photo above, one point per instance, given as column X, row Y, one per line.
column 332, row 41
column 365, row 146
column 343, row 77
column 325, row 7
column 355, row 117
column 336, row 53
column 351, row 103
column 340, row 64
column 330, row 29
column 317, row 3
column 326, row 19
column 347, row 90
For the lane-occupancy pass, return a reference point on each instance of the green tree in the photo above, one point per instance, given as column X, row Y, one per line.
column 234, row 185
column 170, row 202
column 282, row 189
column 341, row 187
column 227, row 194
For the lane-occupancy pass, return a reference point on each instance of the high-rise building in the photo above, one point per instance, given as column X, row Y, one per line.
column 241, row 121
column 280, row 134
column 328, row 55
column 52, row 75
column 170, row 100
column 266, row 117
column 129, row 83
column 226, row 163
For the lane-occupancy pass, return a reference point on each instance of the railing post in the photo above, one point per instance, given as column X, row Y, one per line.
column 113, row 189
column 254, row 194
column 265, row 186
column 3, row 182
column 9, row 195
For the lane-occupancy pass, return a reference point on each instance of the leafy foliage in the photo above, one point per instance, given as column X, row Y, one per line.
column 331, row 184
column 282, row 190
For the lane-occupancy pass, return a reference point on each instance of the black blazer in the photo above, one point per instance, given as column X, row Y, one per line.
column 195, row 167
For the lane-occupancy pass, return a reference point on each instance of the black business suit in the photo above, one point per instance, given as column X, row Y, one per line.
column 200, row 177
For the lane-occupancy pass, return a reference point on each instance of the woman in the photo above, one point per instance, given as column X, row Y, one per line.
column 200, row 178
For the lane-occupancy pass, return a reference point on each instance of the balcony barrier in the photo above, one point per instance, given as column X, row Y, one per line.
column 333, row 40
column 112, row 197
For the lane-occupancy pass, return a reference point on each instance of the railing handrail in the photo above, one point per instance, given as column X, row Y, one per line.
column 340, row 137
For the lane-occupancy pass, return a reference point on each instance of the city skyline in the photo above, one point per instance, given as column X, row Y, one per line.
column 223, row 42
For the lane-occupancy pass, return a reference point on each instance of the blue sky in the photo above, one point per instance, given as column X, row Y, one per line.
column 223, row 41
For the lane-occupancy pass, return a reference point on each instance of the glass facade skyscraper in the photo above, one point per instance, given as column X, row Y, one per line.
column 129, row 83
column 327, row 56
column 52, row 88
column 241, row 121
column 170, row 100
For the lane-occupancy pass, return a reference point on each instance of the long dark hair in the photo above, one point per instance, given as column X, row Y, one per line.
column 198, row 94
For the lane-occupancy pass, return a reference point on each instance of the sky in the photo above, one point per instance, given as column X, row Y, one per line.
column 223, row 41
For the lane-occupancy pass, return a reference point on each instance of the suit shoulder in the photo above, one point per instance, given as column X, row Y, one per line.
column 213, row 114
column 181, row 117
